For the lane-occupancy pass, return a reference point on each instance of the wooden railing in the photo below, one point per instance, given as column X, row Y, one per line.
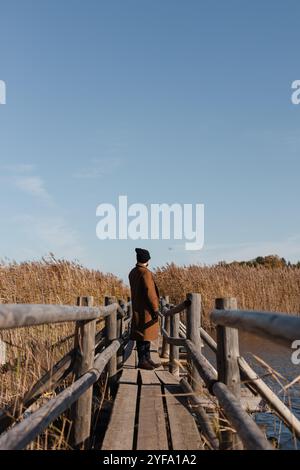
column 232, row 369
column 92, row 353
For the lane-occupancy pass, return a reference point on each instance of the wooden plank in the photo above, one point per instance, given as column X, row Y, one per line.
column 183, row 429
column 129, row 376
column 149, row 377
column 152, row 433
column 277, row 327
column 130, row 361
column 155, row 357
column 17, row 315
column 154, row 345
column 120, row 431
column 166, row 377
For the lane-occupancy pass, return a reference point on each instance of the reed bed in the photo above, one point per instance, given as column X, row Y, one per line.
column 255, row 287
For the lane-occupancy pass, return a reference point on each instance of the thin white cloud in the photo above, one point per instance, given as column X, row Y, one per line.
column 98, row 168
column 49, row 234
column 22, row 176
column 19, row 168
column 33, row 185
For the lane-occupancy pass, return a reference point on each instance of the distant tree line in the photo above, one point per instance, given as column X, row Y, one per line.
column 270, row 261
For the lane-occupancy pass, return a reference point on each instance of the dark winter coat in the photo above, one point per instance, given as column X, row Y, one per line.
column 145, row 302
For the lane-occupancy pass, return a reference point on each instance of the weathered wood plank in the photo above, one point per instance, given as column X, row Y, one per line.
column 129, row 376
column 166, row 377
column 120, row 431
column 17, row 315
column 149, row 377
column 154, row 345
column 278, row 327
column 130, row 355
column 177, row 309
column 155, row 357
column 183, row 429
column 152, row 433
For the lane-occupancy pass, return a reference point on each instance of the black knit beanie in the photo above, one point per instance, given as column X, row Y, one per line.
column 142, row 255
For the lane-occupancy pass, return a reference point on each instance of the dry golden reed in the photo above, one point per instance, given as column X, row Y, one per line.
column 256, row 288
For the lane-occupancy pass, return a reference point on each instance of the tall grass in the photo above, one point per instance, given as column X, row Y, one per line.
column 52, row 281
column 256, row 288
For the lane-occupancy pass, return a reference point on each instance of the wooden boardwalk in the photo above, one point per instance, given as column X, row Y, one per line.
column 148, row 413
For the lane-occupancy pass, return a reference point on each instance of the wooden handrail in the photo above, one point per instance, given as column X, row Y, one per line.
column 250, row 434
column 256, row 385
column 278, row 327
column 168, row 312
column 23, row 433
column 256, row 322
column 20, row 315
column 85, row 316
column 49, row 381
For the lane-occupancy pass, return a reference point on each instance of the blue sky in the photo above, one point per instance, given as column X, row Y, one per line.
column 162, row 101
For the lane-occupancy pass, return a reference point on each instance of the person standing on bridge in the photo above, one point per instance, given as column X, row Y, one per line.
column 145, row 306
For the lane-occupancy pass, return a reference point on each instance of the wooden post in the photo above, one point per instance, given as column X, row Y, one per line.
column 129, row 308
column 120, row 331
column 129, row 314
column 165, row 350
column 193, row 323
column 228, row 367
column 111, row 334
column 174, row 350
column 2, row 350
column 2, row 353
column 82, row 410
